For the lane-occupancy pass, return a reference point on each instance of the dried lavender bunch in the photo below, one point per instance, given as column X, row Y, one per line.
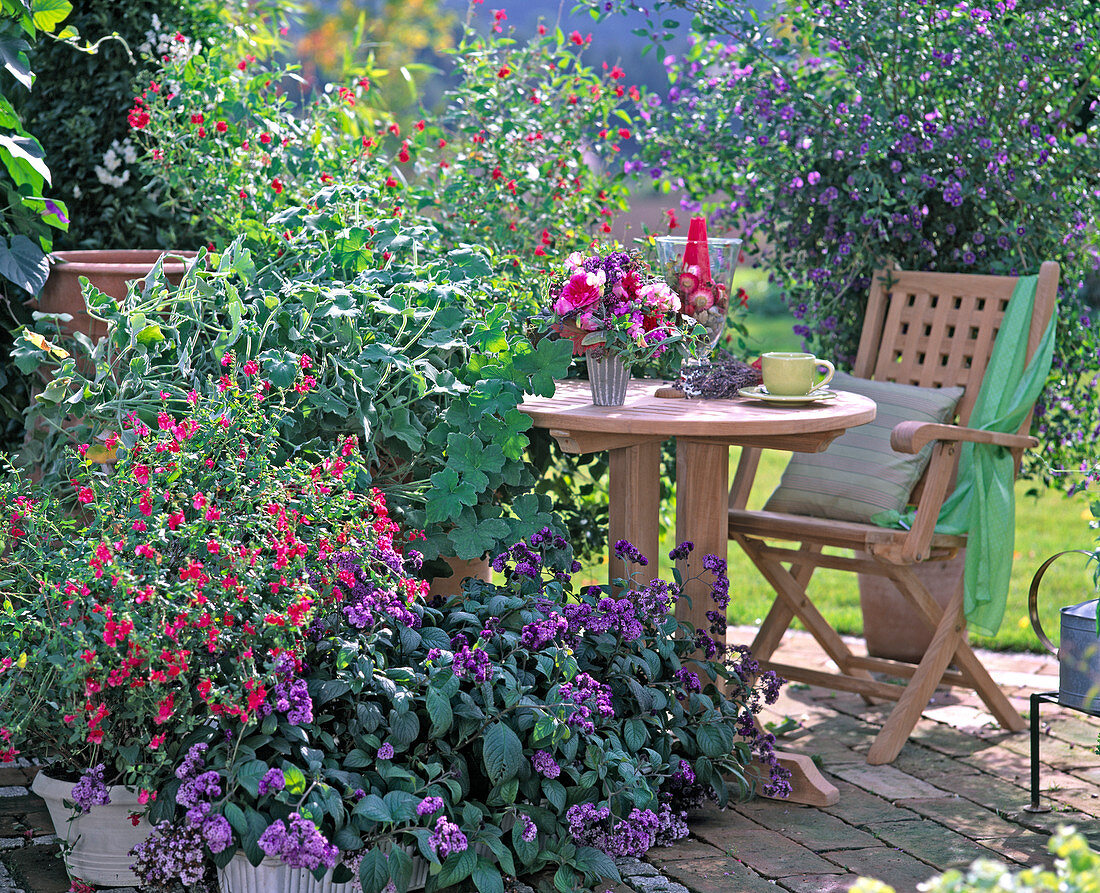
column 716, row 380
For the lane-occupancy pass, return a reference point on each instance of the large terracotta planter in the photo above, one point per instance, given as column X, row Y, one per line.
column 109, row 271
column 891, row 626
column 96, row 844
column 444, row 586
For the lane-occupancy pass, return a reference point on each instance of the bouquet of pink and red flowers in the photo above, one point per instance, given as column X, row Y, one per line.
column 610, row 303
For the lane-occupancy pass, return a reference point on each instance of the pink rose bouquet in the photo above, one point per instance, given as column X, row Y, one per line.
column 609, row 303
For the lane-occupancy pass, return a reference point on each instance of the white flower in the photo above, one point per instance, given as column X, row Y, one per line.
column 109, row 179
column 77, row 192
column 111, row 161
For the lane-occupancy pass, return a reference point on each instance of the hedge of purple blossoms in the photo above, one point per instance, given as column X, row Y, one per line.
column 596, row 717
column 848, row 134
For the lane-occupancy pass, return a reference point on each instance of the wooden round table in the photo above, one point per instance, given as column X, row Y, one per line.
column 704, row 431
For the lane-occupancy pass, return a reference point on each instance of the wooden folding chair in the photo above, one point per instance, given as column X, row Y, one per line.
column 930, row 330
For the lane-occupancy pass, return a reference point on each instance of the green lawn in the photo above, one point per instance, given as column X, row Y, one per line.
column 1045, row 524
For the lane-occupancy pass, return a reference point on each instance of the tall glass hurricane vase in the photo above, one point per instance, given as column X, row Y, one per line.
column 701, row 274
column 609, row 376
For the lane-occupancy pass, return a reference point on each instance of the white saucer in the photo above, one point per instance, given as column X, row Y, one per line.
column 760, row 393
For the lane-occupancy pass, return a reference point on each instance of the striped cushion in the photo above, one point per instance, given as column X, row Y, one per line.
column 859, row 475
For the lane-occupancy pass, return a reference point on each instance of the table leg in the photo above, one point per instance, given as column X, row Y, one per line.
column 634, row 505
column 702, row 504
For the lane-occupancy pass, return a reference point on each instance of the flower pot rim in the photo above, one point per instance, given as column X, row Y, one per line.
column 136, row 261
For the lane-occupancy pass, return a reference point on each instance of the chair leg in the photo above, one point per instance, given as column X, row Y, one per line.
column 799, row 604
column 898, row 726
column 780, row 615
column 965, row 659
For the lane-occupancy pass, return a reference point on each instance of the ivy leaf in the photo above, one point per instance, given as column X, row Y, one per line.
column 501, row 752
column 548, row 361
column 473, row 542
column 150, row 334
column 472, row 458
column 447, row 496
column 533, row 513
column 405, row 427
column 281, row 368
column 464, row 263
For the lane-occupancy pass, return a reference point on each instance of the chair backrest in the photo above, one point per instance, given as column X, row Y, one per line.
column 937, row 329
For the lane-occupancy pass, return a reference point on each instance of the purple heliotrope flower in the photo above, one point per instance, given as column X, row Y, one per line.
column 272, row 781
column 429, row 805
column 447, row 838
column 91, row 790
column 472, row 662
column 385, row 752
column 298, row 843
column 545, row 764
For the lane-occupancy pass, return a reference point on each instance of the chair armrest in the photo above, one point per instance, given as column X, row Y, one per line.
column 910, row 437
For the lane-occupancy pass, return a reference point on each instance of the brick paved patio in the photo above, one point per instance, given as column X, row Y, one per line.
column 954, row 794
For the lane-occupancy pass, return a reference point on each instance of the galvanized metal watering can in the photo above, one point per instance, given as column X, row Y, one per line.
column 1079, row 652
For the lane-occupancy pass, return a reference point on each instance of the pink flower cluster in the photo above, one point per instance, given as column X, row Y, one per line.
column 613, row 294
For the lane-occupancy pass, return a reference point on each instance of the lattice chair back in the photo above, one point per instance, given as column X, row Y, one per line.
column 938, row 329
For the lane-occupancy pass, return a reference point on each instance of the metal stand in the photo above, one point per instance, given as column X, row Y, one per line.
column 1038, row 697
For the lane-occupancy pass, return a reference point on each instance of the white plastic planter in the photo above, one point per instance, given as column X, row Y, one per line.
column 96, row 844
column 272, row 876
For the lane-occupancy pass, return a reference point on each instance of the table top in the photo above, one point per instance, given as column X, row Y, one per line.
column 645, row 414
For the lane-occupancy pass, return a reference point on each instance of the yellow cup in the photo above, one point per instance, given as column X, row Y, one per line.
column 793, row 374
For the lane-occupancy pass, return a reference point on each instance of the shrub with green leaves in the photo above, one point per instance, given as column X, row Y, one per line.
column 415, row 357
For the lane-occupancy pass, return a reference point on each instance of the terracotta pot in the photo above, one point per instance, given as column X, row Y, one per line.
column 444, row 586
column 96, row 844
column 891, row 626
column 109, row 271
